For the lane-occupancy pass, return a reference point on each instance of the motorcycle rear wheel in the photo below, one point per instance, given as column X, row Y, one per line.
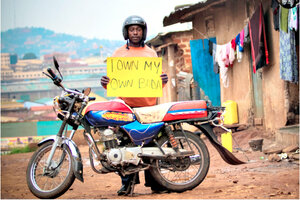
column 57, row 181
column 182, row 174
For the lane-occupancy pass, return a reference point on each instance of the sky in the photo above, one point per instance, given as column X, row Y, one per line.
column 101, row 19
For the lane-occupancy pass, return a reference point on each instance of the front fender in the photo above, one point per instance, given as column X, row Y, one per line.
column 77, row 166
column 50, row 138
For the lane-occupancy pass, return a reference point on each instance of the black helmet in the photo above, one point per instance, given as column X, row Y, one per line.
column 134, row 20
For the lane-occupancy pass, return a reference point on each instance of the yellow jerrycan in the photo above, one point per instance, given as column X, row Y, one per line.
column 226, row 139
column 230, row 115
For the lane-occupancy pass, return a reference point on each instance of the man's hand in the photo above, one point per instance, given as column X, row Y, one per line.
column 164, row 78
column 104, row 81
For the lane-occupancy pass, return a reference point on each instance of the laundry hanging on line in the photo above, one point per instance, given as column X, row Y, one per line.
column 254, row 32
column 225, row 55
column 288, row 54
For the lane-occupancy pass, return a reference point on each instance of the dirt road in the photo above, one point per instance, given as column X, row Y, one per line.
column 258, row 179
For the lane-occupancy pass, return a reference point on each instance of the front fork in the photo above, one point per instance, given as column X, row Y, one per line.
column 57, row 142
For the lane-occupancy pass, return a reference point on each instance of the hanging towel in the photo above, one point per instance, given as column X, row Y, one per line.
column 259, row 49
column 239, row 48
column 293, row 18
column 239, row 45
column 221, row 59
column 284, row 14
column 240, row 42
column 242, row 36
column 288, row 57
column 231, row 55
column 239, row 55
column 233, row 44
column 237, row 41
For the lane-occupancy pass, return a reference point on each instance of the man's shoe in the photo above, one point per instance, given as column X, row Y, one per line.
column 124, row 190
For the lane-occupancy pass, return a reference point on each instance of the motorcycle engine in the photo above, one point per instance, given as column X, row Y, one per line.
column 109, row 139
column 124, row 155
column 118, row 155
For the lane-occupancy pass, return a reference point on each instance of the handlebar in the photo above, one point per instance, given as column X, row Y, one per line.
column 52, row 74
column 57, row 81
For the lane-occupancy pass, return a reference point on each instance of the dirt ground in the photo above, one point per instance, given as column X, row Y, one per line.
column 257, row 179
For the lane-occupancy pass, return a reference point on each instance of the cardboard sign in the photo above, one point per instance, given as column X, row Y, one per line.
column 134, row 77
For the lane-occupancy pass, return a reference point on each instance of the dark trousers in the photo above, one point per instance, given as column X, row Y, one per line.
column 127, row 178
column 149, row 181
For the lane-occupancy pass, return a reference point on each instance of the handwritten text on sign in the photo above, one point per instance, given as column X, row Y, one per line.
column 134, row 77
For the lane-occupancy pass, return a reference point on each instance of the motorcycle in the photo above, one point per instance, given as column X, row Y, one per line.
column 130, row 140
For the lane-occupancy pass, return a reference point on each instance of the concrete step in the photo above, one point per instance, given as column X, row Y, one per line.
column 288, row 135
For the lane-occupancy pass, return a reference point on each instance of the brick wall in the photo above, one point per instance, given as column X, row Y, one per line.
column 183, row 60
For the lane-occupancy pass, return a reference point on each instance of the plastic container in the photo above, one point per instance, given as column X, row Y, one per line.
column 230, row 115
column 226, row 139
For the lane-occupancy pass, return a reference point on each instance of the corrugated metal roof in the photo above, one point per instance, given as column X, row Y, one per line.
column 186, row 13
column 158, row 40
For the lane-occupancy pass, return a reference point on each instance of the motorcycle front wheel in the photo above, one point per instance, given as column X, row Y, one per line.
column 53, row 182
column 183, row 173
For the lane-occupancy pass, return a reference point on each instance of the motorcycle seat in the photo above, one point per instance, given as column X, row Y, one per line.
column 171, row 111
column 151, row 114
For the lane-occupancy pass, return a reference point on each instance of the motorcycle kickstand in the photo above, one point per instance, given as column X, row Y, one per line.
column 132, row 185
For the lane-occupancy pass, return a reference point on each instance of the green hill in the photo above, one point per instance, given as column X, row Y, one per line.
column 42, row 41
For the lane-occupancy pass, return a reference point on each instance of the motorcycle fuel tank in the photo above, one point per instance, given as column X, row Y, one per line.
column 140, row 133
column 110, row 113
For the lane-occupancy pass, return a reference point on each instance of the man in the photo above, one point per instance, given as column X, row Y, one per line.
column 135, row 32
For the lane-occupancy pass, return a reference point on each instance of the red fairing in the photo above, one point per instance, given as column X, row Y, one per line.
column 110, row 106
column 187, row 110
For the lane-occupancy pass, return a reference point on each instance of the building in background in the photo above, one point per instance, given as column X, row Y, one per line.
column 263, row 98
column 174, row 48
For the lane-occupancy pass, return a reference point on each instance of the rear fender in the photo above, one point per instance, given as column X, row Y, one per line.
column 224, row 153
column 76, row 156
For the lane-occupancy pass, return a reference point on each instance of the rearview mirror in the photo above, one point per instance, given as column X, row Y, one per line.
column 57, row 67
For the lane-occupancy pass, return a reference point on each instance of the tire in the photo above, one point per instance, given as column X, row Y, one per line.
column 45, row 186
column 184, row 176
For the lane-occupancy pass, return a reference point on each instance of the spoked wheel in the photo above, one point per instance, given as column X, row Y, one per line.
column 52, row 182
column 183, row 173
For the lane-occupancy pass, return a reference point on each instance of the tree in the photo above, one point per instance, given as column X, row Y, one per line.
column 28, row 56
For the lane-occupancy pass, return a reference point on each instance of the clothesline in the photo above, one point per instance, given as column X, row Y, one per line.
column 254, row 31
column 224, row 55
